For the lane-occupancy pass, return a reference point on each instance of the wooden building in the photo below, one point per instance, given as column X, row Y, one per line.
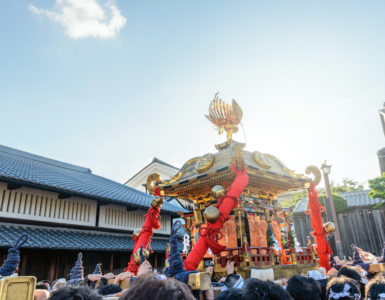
column 66, row 209
column 362, row 224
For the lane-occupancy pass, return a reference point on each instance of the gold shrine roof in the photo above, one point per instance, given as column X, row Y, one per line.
column 268, row 175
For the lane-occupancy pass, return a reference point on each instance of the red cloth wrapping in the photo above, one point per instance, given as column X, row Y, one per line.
column 144, row 238
column 208, row 234
column 323, row 246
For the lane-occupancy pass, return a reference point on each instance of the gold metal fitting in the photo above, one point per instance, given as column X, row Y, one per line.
column 157, row 202
column 211, row 214
column 152, row 181
column 218, row 191
column 329, row 227
column 136, row 257
column 136, row 232
column 316, row 173
column 166, row 263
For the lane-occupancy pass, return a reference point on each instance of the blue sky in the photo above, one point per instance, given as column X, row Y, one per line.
column 309, row 76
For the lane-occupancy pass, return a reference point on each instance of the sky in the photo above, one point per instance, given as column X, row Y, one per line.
column 109, row 85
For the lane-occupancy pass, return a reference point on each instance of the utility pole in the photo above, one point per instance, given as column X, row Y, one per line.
column 330, row 209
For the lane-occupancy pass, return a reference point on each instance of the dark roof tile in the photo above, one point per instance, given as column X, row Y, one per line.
column 52, row 175
column 72, row 239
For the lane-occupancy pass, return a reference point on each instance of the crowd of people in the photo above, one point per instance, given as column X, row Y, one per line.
column 342, row 282
column 346, row 279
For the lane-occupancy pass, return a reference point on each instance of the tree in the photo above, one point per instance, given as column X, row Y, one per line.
column 292, row 201
column 340, row 204
column 377, row 186
column 348, row 185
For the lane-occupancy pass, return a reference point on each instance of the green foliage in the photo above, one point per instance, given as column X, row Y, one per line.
column 348, row 185
column 291, row 238
column 377, row 186
column 292, row 201
column 340, row 204
column 378, row 205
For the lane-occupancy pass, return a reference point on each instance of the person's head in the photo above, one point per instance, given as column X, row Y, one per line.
column 109, row 289
column 260, row 290
column 276, row 292
column 349, row 272
column 303, row 288
column 343, row 288
column 375, row 289
column 230, row 294
column 153, row 286
column 41, row 294
column 255, row 289
column 74, row 293
column 42, row 286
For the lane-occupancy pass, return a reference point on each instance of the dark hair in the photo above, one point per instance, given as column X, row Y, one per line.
column 230, row 294
column 375, row 287
column 337, row 285
column 303, row 288
column 109, row 289
column 323, row 283
column 41, row 286
column 151, row 287
column 255, row 289
column 74, row 293
column 258, row 289
column 350, row 273
column 276, row 292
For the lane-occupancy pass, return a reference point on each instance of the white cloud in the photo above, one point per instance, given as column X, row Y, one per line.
column 85, row 18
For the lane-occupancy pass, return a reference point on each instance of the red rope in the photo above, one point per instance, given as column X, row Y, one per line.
column 151, row 222
column 208, row 236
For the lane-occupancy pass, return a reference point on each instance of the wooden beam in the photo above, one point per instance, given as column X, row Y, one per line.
column 12, row 186
column 24, row 262
column 111, row 269
column 63, row 196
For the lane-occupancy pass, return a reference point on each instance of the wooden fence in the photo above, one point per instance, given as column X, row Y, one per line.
column 364, row 227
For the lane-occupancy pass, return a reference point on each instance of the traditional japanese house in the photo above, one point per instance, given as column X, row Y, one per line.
column 66, row 209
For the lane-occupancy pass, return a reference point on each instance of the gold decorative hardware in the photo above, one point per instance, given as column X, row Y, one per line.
column 218, row 191
column 211, row 214
column 136, row 257
column 136, row 232
column 316, row 172
column 260, row 160
column 329, row 227
column 157, row 202
column 205, row 162
column 238, row 156
column 224, row 116
column 152, row 181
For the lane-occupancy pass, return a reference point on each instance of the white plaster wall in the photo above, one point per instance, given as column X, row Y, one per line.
column 33, row 204
column 117, row 217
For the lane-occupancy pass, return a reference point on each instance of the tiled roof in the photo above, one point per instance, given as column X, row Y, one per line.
column 40, row 172
column 301, row 206
column 71, row 239
column 360, row 198
column 354, row 199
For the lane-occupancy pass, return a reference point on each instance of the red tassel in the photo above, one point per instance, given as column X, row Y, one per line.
column 323, row 246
